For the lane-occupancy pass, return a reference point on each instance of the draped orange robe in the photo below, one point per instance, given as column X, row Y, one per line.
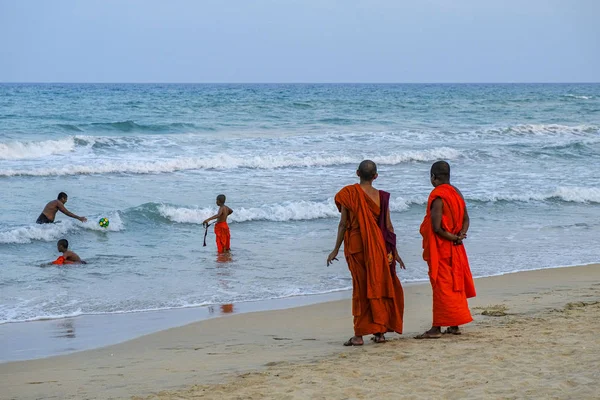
column 377, row 296
column 223, row 237
column 449, row 271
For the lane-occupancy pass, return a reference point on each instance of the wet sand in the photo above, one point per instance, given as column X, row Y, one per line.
column 533, row 337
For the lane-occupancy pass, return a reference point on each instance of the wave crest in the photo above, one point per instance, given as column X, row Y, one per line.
column 546, row 130
column 225, row 161
column 29, row 150
column 288, row 211
column 50, row 232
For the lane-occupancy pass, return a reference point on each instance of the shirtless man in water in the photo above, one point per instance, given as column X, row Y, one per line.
column 47, row 216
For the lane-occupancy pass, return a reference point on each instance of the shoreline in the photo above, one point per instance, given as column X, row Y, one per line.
column 67, row 335
column 219, row 349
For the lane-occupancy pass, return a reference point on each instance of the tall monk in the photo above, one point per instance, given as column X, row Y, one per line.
column 370, row 248
column 444, row 228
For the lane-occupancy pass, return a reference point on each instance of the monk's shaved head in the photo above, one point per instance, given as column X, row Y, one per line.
column 367, row 170
column 441, row 170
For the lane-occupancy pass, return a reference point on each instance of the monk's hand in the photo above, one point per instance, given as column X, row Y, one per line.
column 399, row 261
column 332, row 256
column 459, row 238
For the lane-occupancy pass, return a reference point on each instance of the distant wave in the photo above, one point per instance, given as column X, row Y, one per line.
column 225, row 161
column 289, row 211
column 70, row 128
column 579, row 97
column 562, row 193
column 545, row 129
column 50, row 232
column 132, row 126
column 30, row 150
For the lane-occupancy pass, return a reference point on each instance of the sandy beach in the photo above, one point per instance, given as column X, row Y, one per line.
column 533, row 337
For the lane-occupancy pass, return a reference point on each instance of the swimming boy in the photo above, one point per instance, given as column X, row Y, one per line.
column 47, row 216
column 68, row 257
column 221, row 227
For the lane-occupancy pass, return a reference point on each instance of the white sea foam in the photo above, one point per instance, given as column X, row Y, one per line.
column 546, row 130
column 561, row 193
column 50, row 232
column 578, row 194
column 289, row 211
column 32, row 150
column 27, row 234
column 226, row 161
column 579, row 97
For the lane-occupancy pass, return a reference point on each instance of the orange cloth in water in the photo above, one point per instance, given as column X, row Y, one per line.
column 61, row 260
column 449, row 271
column 223, row 236
column 377, row 295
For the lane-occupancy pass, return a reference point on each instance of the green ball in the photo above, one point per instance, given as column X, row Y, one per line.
column 103, row 222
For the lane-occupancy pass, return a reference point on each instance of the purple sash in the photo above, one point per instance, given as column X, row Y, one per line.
column 388, row 236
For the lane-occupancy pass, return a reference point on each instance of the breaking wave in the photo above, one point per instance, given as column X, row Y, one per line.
column 289, row 211
column 50, row 232
column 29, row 150
column 225, row 161
column 562, row 193
column 545, row 130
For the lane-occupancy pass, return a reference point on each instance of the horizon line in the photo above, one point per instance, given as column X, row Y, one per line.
column 298, row 83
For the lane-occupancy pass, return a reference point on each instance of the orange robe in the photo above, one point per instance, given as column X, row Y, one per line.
column 61, row 261
column 377, row 296
column 449, row 271
column 223, row 237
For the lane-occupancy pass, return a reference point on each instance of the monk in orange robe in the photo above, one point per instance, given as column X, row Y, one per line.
column 223, row 236
column 370, row 248
column 444, row 229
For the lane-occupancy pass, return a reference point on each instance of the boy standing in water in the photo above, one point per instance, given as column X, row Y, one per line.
column 221, row 227
column 68, row 257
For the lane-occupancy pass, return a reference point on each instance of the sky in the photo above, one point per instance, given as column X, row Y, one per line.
column 300, row 41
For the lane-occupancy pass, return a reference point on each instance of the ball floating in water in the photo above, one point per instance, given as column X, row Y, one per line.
column 103, row 222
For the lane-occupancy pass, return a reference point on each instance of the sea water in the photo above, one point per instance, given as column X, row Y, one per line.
column 153, row 158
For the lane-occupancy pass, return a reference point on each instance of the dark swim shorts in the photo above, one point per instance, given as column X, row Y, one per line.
column 42, row 219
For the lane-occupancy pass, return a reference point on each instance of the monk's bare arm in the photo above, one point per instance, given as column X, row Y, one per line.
column 436, row 221
column 340, row 236
column 68, row 213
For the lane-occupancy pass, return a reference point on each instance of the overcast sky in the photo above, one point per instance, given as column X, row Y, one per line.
column 299, row 41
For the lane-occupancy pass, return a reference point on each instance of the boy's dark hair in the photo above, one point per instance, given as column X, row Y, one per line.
column 367, row 170
column 62, row 195
column 221, row 198
column 64, row 243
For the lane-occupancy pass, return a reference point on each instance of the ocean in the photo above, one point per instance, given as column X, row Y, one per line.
column 152, row 158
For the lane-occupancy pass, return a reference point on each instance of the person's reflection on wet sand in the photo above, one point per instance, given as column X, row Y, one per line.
column 226, row 308
column 65, row 329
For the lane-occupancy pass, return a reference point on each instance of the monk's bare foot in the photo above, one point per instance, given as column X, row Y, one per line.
column 378, row 338
column 354, row 341
column 453, row 330
column 434, row 333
